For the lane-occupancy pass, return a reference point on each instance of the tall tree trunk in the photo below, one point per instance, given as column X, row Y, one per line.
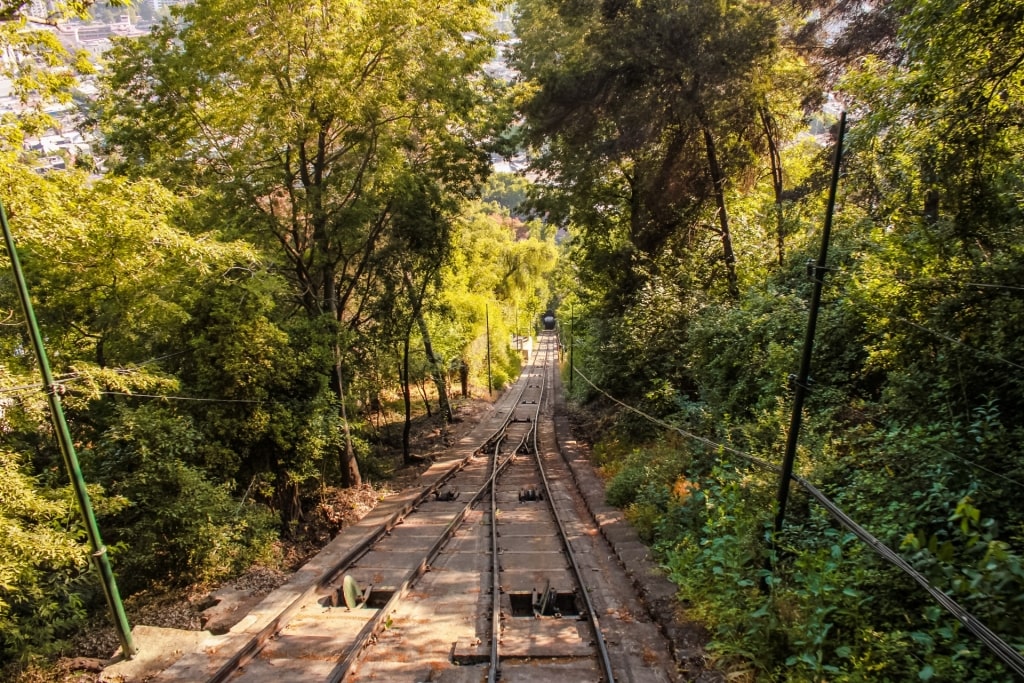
column 931, row 191
column 406, row 398
column 718, row 179
column 423, row 395
column 775, row 161
column 931, row 206
column 288, row 500
column 464, row 378
column 436, row 371
column 350, row 475
column 347, row 463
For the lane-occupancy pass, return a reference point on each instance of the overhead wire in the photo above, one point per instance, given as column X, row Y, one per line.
column 69, row 377
column 973, row 463
column 20, row 388
column 180, row 398
column 846, row 269
column 959, row 343
column 1007, row 653
column 764, row 464
column 38, row 387
column 981, row 352
column 992, row 285
column 973, row 349
column 158, row 358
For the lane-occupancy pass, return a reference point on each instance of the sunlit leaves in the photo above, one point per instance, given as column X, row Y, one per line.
column 116, row 273
column 41, row 563
column 40, row 70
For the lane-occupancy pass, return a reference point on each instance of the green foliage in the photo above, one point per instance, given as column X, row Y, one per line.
column 978, row 569
column 43, row 564
column 266, row 298
column 116, row 283
column 508, row 191
column 277, row 412
column 115, row 274
column 918, row 351
column 747, row 351
column 716, row 547
column 496, row 276
column 179, row 526
column 347, row 160
column 646, row 471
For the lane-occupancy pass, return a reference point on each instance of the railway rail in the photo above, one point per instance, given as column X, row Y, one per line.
column 492, row 571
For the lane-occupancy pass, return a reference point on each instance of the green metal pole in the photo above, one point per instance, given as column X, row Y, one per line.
column 800, row 383
column 515, row 325
column 572, row 339
column 67, row 449
column 487, row 323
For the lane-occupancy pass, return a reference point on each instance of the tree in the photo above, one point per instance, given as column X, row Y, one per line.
column 115, row 282
column 919, row 355
column 645, row 118
column 509, row 191
column 497, row 264
column 306, row 144
column 40, row 71
column 41, row 564
column 940, row 161
column 118, row 275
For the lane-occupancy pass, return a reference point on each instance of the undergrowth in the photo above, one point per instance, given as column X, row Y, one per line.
column 816, row 604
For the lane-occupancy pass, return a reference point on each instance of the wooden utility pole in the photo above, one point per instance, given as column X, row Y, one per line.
column 817, row 271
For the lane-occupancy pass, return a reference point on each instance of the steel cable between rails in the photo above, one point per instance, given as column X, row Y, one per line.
column 1008, row 654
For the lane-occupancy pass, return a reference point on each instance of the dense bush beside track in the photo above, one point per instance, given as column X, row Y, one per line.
column 905, row 430
column 680, row 156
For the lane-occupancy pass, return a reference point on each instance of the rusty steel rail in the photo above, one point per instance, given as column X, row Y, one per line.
column 374, row 626
column 592, row 617
column 494, row 670
column 495, row 663
column 252, row 647
column 377, row 623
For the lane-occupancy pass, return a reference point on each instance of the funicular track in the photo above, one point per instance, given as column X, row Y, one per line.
column 541, row 607
column 523, row 612
column 472, row 578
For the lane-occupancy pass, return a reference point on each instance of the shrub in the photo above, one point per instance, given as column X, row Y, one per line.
column 183, row 528
column 43, row 564
column 178, row 526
